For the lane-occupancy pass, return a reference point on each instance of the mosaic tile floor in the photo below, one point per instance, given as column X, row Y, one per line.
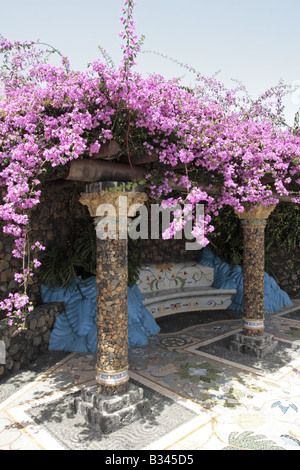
column 202, row 398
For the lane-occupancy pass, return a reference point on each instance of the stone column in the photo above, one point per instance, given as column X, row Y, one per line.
column 253, row 340
column 109, row 209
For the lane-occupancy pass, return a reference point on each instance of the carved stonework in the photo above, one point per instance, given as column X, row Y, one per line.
column 121, row 201
column 256, row 212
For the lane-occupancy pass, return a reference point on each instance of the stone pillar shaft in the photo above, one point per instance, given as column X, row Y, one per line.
column 253, row 286
column 112, row 318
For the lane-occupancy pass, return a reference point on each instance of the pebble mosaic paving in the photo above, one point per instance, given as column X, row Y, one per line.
column 202, row 398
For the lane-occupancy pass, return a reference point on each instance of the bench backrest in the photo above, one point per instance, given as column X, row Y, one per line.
column 158, row 277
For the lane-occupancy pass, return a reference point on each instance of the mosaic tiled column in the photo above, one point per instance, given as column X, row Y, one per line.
column 253, row 340
column 112, row 280
column 254, row 222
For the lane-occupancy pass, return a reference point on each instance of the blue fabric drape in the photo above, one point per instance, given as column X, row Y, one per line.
column 231, row 277
column 75, row 330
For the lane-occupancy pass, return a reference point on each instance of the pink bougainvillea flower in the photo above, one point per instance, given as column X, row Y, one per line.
column 220, row 146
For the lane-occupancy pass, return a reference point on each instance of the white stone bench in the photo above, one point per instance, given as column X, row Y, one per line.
column 181, row 287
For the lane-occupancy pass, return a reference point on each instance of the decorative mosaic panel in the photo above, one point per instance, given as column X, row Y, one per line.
column 171, row 276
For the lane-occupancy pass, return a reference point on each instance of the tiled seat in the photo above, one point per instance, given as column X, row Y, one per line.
column 181, row 287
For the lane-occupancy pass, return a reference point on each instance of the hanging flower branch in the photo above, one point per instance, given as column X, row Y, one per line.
column 130, row 46
column 217, row 138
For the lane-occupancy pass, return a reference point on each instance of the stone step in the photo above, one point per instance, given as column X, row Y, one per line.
column 108, row 414
column 111, row 404
column 258, row 346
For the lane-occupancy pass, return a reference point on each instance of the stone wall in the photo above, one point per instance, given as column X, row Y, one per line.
column 26, row 345
column 162, row 251
column 52, row 222
column 286, row 271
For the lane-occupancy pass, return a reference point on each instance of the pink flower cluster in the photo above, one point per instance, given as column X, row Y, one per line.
column 17, row 305
column 207, row 139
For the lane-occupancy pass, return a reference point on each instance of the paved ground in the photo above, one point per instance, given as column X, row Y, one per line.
column 202, row 396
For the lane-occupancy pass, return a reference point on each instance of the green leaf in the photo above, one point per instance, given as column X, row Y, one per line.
column 249, row 441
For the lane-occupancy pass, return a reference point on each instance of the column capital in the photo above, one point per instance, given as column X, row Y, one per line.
column 256, row 213
column 104, row 197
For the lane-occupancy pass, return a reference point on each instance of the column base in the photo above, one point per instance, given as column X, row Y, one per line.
column 112, row 390
column 109, row 413
column 112, row 383
column 258, row 346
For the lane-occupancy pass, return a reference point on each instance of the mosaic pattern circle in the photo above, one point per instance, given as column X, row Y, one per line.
column 174, row 342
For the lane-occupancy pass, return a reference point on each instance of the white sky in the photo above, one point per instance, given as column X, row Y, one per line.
column 253, row 41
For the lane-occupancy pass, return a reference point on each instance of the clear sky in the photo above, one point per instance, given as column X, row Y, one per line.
column 254, row 41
